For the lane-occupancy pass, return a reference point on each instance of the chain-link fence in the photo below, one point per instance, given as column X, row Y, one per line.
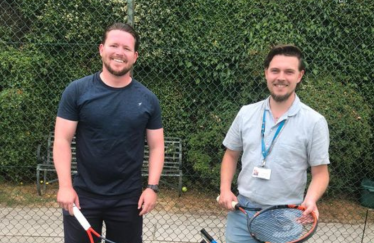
column 204, row 60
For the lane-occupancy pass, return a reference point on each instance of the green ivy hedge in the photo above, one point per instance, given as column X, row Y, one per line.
column 351, row 134
column 202, row 58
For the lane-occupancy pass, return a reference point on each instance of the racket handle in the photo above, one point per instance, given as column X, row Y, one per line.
column 81, row 219
column 233, row 203
column 207, row 236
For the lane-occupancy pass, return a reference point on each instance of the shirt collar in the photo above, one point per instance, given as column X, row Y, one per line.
column 292, row 111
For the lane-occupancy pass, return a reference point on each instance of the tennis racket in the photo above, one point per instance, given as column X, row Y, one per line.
column 280, row 224
column 87, row 227
column 207, row 236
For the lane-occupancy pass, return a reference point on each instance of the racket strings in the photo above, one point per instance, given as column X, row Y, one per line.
column 280, row 225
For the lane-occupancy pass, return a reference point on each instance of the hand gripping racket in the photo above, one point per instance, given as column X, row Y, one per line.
column 280, row 224
column 87, row 227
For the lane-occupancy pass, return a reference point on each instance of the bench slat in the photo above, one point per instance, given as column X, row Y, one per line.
column 172, row 161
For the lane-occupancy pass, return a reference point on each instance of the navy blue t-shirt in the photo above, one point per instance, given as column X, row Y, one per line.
column 110, row 135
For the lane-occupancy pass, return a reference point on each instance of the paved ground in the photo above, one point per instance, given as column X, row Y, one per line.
column 43, row 225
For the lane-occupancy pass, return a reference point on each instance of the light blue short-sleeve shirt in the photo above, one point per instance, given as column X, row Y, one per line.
column 302, row 142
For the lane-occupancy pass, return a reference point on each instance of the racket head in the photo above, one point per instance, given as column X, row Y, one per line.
column 282, row 223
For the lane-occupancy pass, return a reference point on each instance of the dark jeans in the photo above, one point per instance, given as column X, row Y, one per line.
column 121, row 218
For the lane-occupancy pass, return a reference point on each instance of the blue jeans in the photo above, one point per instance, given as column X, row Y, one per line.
column 236, row 228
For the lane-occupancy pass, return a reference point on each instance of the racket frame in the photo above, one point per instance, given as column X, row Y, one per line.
column 243, row 209
column 290, row 206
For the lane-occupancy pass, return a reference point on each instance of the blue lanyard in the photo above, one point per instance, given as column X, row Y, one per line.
column 266, row 152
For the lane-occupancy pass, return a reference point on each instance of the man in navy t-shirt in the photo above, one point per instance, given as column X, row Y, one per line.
column 111, row 114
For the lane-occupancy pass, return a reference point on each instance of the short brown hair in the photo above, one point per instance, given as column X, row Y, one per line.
column 285, row 50
column 124, row 27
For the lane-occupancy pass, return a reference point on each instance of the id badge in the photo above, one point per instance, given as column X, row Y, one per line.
column 261, row 172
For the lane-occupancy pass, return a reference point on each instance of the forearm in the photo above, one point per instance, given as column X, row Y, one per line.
column 318, row 184
column 64, row 133
column 156, row 163
column 156, row 145
column 62, row 161
column 228, row 169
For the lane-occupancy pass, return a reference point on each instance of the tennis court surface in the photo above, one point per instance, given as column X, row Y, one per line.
column 44, row 225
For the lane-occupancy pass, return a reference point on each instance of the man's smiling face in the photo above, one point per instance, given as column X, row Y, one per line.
column 282, row 77
column 118, row 52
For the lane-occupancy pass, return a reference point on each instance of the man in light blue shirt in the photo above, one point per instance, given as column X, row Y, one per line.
column 278, row 139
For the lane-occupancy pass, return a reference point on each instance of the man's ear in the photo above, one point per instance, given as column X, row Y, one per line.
column 101, row 46
column 301, row 75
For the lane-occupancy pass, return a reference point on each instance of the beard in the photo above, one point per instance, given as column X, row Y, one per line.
column 119, row 73
column 283, row 97
column 280, row 98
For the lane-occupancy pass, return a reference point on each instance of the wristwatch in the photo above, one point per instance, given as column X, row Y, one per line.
column 153, row 187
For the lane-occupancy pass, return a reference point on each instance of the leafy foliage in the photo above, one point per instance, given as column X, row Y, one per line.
column 205, row 150
column 348, row 117
column 202, row 58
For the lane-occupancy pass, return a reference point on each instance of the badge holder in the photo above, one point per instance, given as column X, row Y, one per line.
column 261, row 172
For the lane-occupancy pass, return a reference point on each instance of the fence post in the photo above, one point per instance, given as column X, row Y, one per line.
column 130, row 20
column 130, row 11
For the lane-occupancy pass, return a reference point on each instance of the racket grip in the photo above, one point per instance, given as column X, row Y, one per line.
column 233, row 203
column 81, row 219
column 207, row 236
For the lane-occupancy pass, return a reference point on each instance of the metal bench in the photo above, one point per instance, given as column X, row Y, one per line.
column 45, row 170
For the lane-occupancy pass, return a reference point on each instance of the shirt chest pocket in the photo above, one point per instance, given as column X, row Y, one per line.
column 291, row 154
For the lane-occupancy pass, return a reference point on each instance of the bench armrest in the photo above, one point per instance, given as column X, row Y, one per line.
column 39, row 157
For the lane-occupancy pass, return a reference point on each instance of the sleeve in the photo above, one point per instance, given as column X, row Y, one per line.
column 233, row 139
column 155, row 121
column 68, row 108
column 319, row 144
